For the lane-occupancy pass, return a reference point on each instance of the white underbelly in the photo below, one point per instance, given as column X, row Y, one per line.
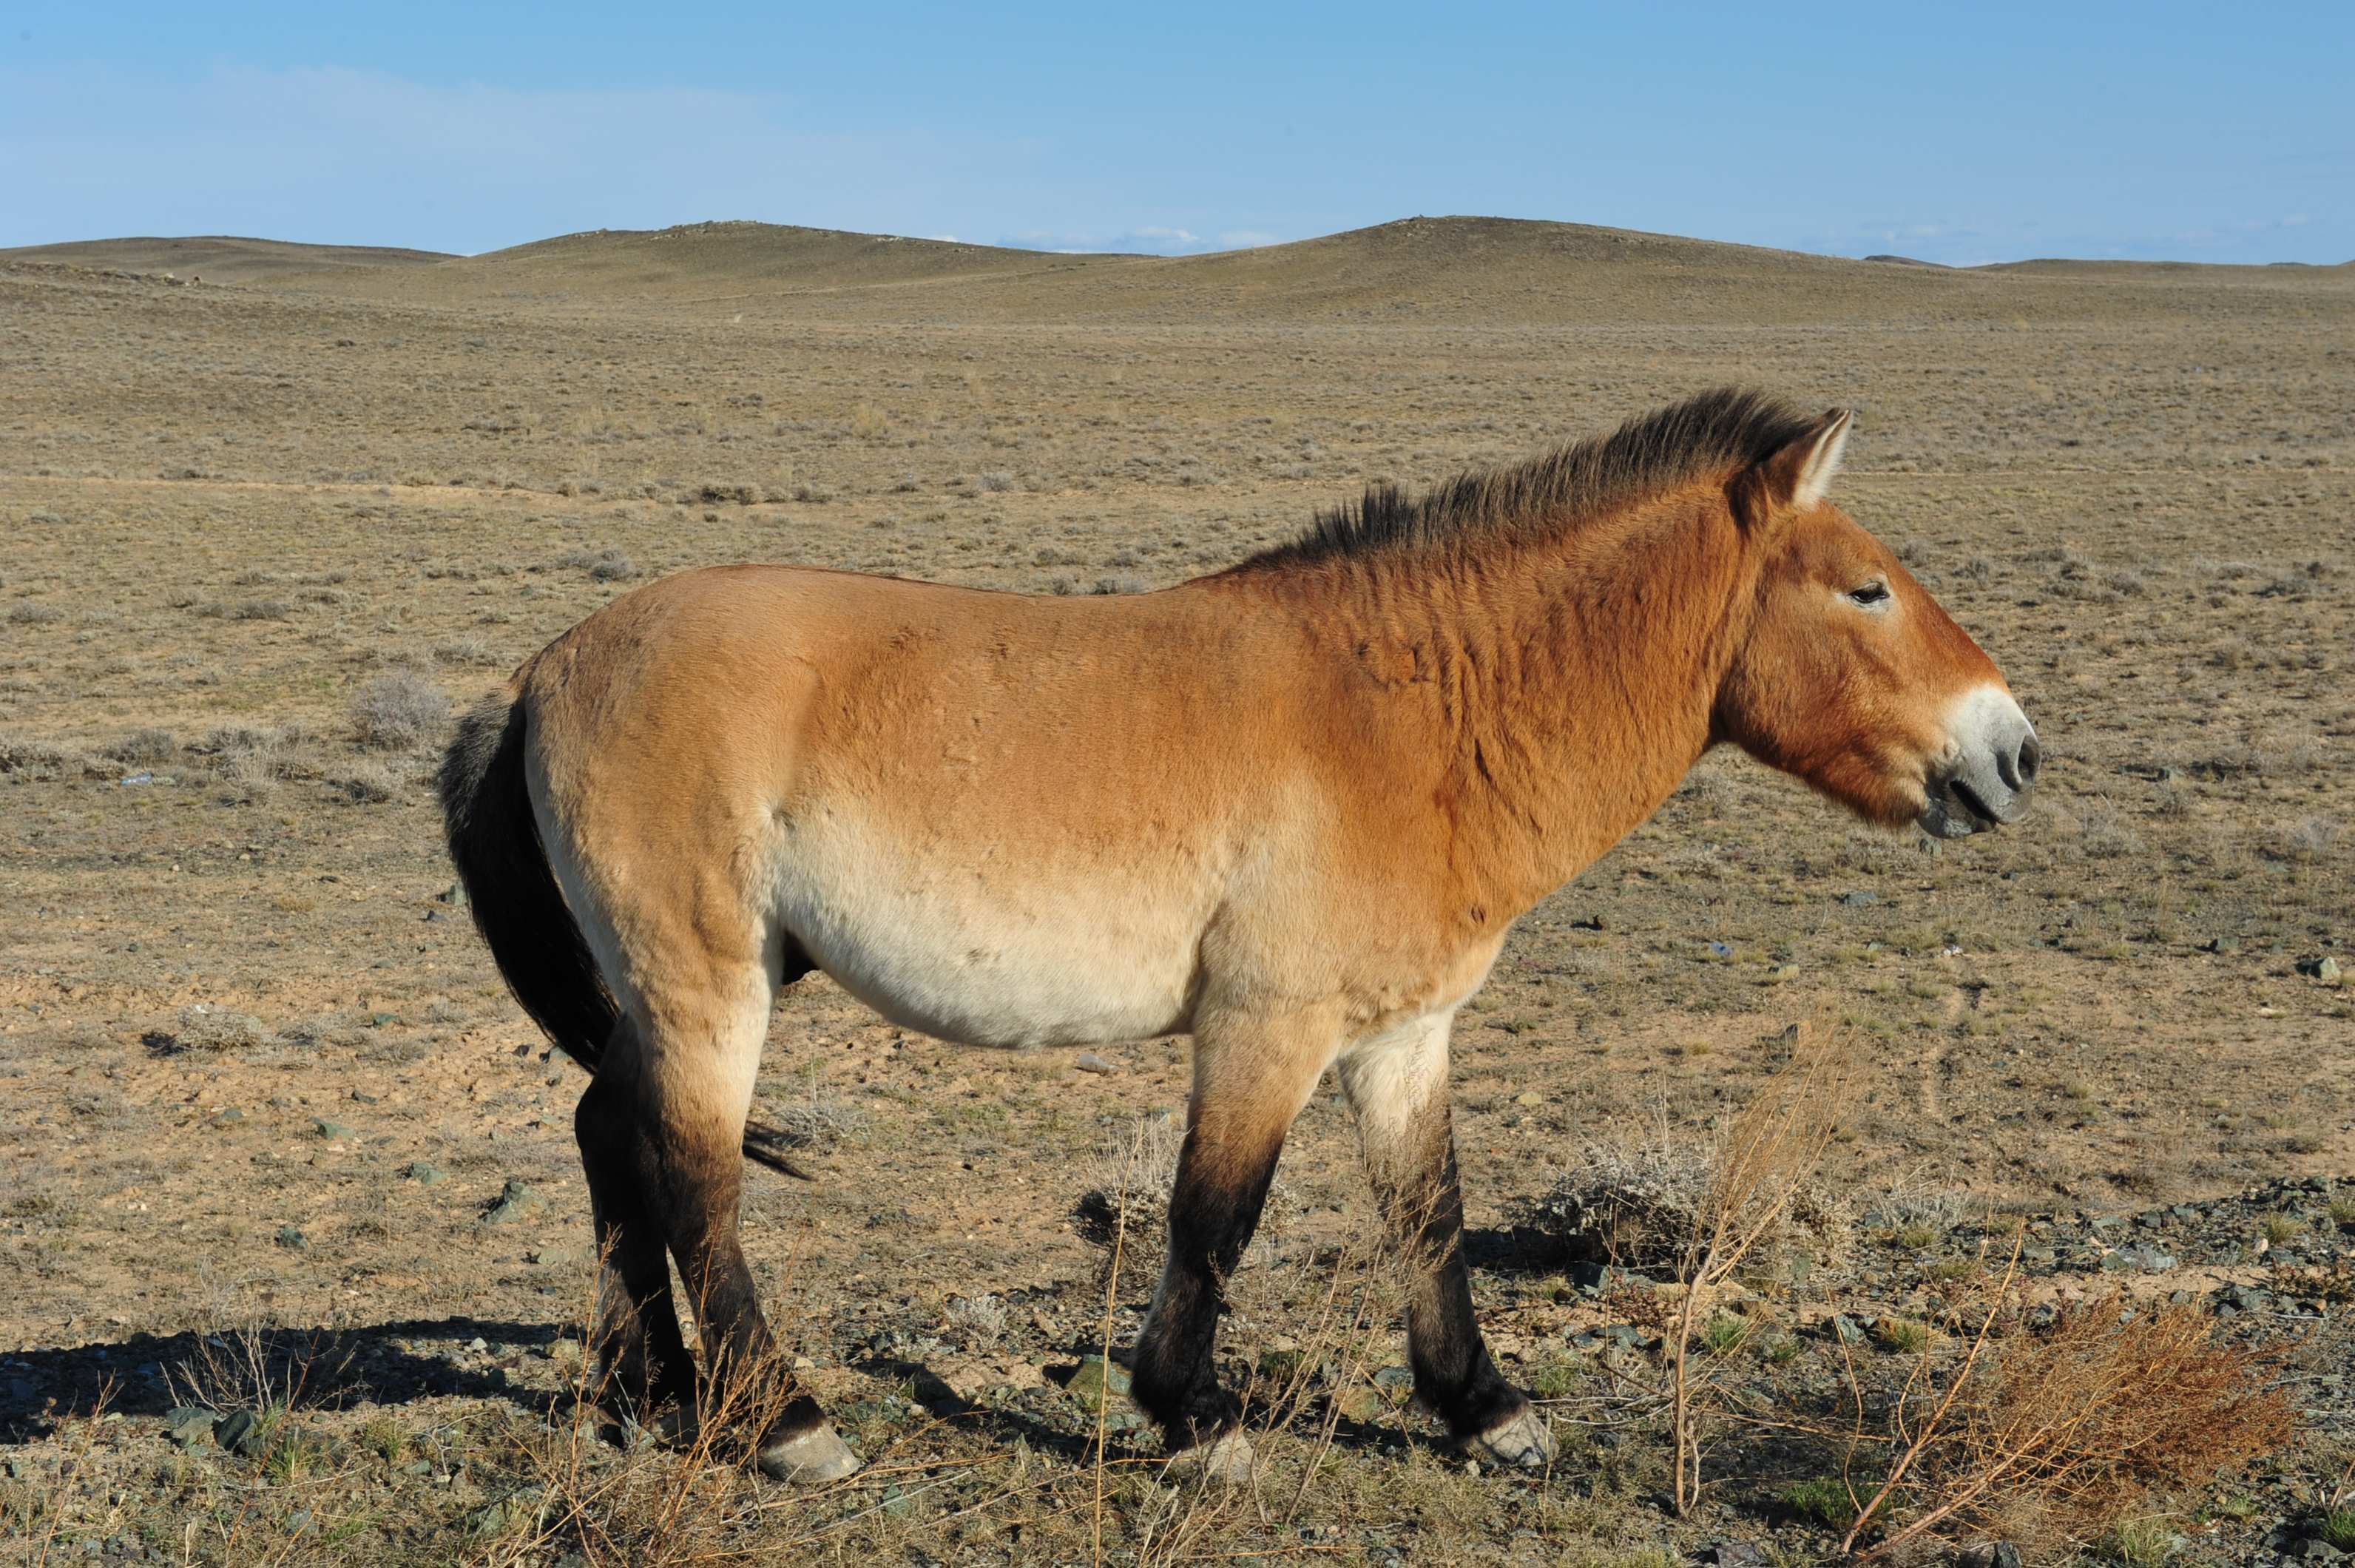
column 988, row 954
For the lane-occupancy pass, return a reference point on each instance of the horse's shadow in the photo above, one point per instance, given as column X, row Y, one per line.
column 148, row 1374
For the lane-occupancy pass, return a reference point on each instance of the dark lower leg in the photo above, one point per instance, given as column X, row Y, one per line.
column 639, row 1347
column 702, row 1191
column 1454, row 1376
column 1399, row 1088
column 1213, row 1210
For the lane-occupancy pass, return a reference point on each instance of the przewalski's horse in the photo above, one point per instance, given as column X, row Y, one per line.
column 1292, row 808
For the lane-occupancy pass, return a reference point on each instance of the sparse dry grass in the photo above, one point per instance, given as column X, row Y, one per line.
column 2058, row 453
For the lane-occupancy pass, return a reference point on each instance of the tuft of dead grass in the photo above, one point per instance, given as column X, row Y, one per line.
column 1761, row 1166
column 398, row 711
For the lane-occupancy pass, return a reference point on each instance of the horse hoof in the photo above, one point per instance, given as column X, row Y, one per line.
column 1523, row 1440
column 1227, row 1458
column 817, row 1454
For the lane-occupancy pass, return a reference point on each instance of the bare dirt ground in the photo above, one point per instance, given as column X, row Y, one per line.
column 255, row 1070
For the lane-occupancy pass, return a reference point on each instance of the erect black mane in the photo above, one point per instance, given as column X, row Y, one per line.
column 1717, row 432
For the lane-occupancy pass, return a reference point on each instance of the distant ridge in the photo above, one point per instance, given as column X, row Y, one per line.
column 1439, row 272
column 224, row 258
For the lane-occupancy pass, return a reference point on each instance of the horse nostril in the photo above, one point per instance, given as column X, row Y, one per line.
column 2020, row 770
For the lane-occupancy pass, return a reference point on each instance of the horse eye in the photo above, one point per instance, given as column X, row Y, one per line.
column 1871, row 594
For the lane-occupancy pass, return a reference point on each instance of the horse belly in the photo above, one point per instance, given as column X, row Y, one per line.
column 992, row 957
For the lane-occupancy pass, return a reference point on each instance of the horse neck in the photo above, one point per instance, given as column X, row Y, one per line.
column 1568, row 683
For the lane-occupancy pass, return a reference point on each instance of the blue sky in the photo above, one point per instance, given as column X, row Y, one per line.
column 1952, row 133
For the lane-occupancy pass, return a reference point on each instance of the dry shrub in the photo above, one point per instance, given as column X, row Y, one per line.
column 36, row 759
column 1644, row 1202
column 143, row 746
column 397, row 710
column 1756, row 1175
column 1125, row 1198
column 369, row 783
column 201, row 1027
column 254, row 1365
column 2076, row 1424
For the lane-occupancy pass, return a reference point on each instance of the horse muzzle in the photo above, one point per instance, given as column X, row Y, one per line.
column 1989, row 773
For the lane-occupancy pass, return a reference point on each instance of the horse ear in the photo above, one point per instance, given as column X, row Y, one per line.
column 1798, row 476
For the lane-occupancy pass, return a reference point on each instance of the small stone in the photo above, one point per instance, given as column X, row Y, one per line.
column 236, row 1431
column 1089, row 1061
column 2327, row 971
column 332, row 1131
column 516, row 1201
column 1737, row 1554
column 1360, row 1403
column 425, row 1175
column 1860, row 898
column 188, row 1425
column 292, row 1238
column 1528, row 1097
column 511, row 1509
column 1850, row 1330
column 1088, row 1385
column 2314, row 1549
column 1394, row 1378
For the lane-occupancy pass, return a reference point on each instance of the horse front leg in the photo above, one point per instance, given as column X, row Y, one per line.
column 1398, row 1085
column 1249, row 1083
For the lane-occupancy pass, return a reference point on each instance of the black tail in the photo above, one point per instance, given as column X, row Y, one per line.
column 520, row 909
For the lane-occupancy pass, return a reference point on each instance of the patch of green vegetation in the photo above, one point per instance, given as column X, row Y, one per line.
column 1827, row 1500
column 1903, row 1335
column 2141, row 1543
column 1724, row 1333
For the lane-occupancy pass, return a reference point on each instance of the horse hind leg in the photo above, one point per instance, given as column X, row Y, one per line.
column 686, row 1091
column 1398, row 1086
column 642, row 1357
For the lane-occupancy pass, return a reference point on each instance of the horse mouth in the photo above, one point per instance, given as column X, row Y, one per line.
column 1956, row 810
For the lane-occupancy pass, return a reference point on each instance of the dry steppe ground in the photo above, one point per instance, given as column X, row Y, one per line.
column 236, row 1012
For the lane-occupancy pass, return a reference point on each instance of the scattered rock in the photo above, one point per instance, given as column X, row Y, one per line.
column 332, row 1131
column 238, row 1432
column 425, row 1175
column 527, row 1503
column 1089, row 1061
column 1360, row 1403
column 1088, row 1385
column 515, row 1202
column 1735, row 1554
column 292, row 1238
column 189, row 1425
column 1861, row 898
column 1530, row 1097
